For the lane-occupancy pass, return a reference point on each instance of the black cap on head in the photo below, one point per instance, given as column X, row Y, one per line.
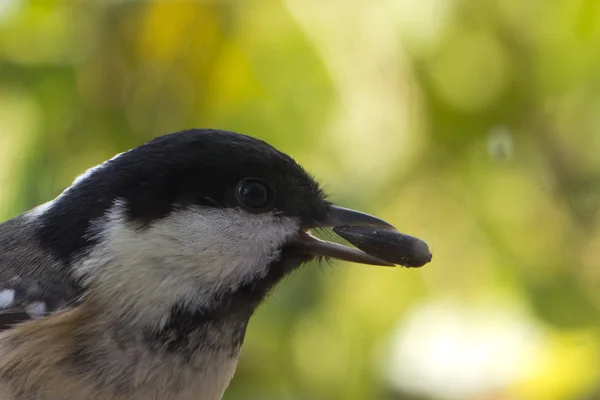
column 205, row 167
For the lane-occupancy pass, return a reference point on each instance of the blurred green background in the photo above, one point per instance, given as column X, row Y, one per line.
column 472, row 124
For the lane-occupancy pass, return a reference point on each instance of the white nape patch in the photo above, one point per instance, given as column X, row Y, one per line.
column 90, row 171
column 36, row 310
column 188, row 256
column 7, row 298
column 42, row 209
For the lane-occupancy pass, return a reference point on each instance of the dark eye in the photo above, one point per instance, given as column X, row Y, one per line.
column 253, row 194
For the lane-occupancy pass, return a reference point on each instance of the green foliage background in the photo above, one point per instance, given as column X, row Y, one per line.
column 472, row 124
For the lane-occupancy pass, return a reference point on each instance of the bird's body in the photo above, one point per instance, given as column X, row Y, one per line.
column 139, row 280
column 99, row 348
column 77, row 354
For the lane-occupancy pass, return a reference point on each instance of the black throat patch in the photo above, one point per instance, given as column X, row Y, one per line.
column 223, row 327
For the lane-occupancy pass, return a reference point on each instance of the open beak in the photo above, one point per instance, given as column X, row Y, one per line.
column 381, row 242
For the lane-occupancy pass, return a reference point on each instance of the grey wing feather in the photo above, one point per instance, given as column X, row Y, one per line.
column 32, row 282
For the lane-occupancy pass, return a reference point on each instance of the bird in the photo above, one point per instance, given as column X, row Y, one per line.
column 139, row 280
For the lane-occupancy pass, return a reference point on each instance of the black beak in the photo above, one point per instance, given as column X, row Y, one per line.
column 381, row 242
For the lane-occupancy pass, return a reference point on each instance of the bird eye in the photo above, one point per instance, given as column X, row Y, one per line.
column 253, row 194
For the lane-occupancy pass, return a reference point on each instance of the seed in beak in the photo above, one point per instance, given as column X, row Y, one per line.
column 388, row 245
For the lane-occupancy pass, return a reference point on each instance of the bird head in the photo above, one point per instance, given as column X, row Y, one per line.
column 197, row 220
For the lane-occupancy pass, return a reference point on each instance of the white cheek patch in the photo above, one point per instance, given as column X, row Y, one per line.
column 189, row 256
